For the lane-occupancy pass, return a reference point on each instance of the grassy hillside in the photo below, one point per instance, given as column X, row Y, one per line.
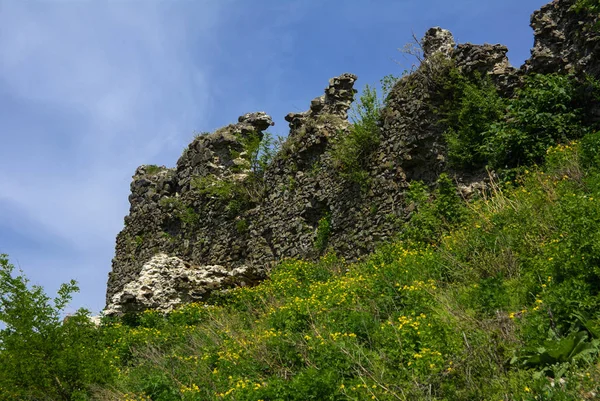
column 494, row 299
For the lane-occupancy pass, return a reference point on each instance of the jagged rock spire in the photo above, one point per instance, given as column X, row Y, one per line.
column 437, row 40
column 336, row 101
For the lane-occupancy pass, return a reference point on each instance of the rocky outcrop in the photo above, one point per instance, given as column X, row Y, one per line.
column 567, row 39
column 437, row 40
column 488, row 60
column 167, row 215
column 166, row 282
column 210, row 223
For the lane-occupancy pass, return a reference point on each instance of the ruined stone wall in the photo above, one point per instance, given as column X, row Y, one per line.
column 210, row 244
column 566, row 40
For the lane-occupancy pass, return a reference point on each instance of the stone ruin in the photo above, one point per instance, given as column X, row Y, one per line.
column 164, row 258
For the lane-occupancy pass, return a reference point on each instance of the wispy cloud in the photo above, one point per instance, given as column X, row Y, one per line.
column 89, row 91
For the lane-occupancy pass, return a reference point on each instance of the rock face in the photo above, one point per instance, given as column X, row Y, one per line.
column 437, row 40
column 191, row 229
column 566, row 40
column 167, row 281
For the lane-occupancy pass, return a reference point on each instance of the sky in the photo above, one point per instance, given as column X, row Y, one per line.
column 91, row 89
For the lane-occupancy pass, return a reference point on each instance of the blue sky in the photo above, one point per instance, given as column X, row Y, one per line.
column 89, row 90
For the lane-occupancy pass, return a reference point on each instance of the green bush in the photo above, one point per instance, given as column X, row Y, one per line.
column 351, row 151
column 41, row 357
column 590, row 150
column 469, row 118
column 483, row 128
column 544, row 112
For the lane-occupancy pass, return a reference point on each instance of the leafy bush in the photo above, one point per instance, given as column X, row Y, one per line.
column 42, row 357
column 590, row 150
column 469, row 117
column 544, row 112
column 483, row 128
column 351, row 151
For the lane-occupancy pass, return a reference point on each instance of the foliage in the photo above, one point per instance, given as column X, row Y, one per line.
column 351, row 150
column 440, row 313
column 387, row 84
column 241, row 226
column 483, row 128
column 240, row 194
column 591, row 8
column 260, row 151
column 152, row 169
column 554, row 357
column 544, row 112
column 590, row 150
column 323, row 233
column 186, row 214
column 436, row 315
column 469, row 118
column 435, row 213
column 40, row 356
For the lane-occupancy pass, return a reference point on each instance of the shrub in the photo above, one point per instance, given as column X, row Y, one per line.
column 469, row 117
column 40, row 356
column 590, row 150
column 483, row 128
column 543, row 113
column 351, row 151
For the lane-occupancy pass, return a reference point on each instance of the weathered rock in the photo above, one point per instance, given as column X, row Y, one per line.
column 437, row 40
column 488, row 60
column 336, row 101
column 214, row 154
column 166, row 282
column 566, row 40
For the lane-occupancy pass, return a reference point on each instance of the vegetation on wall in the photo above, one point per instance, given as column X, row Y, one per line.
column 185, row 213
column 351, row 150
column 590, row 8
column 323, row 233
column 485, row 129
column 240, row 194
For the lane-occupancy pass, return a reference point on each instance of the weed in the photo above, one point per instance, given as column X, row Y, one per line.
column 323, row 233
